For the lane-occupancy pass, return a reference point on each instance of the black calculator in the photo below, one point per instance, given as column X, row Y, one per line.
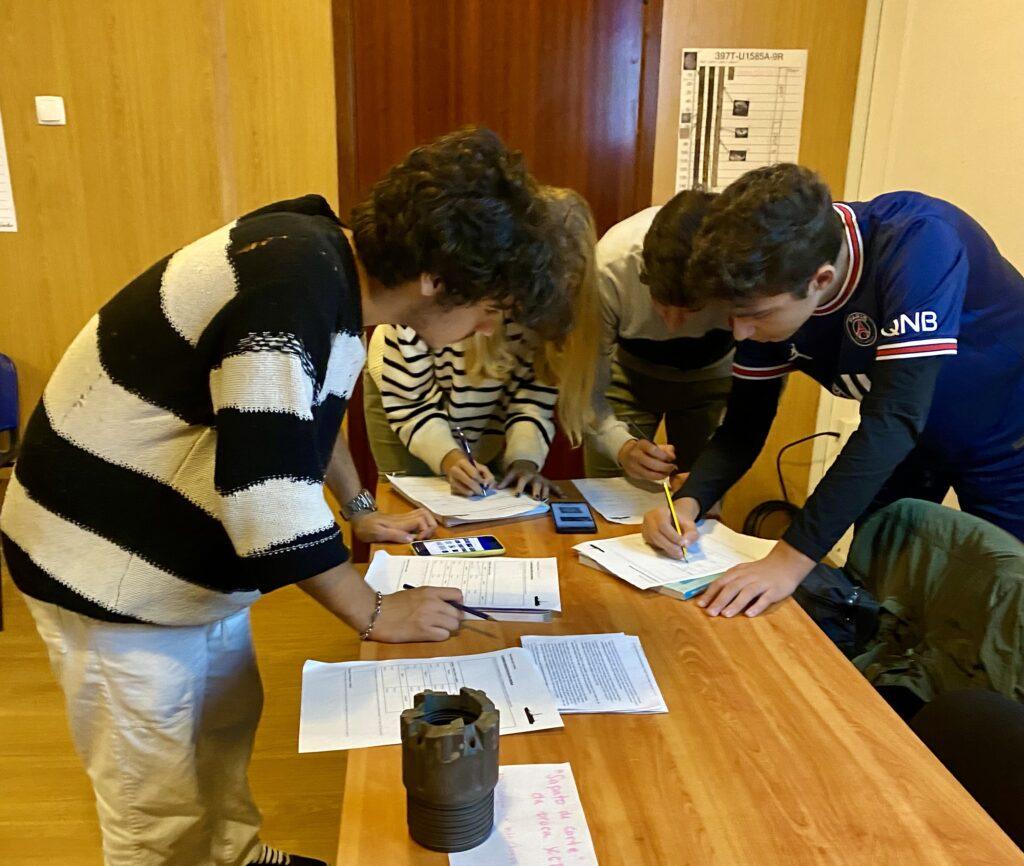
column 572, row 518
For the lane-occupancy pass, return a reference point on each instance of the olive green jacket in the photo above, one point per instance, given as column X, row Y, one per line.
column 951, row 587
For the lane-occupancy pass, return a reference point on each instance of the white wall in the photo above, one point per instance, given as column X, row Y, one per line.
column 945, row 110
column 940, row 109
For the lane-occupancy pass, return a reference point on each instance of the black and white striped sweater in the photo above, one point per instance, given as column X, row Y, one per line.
column 173, row 469
column 426, row 393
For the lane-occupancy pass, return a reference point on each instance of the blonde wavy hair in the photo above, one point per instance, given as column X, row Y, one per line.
column 568, row 364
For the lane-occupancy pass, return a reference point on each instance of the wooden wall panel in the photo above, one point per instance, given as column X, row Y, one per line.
column 181, row 114
column 559, row 81
column 831, row 33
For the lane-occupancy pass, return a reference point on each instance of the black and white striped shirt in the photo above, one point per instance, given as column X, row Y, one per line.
column 173, row 469
column 426, row 393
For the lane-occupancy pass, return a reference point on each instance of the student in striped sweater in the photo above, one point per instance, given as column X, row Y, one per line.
column 498, row 388
column 173, row 472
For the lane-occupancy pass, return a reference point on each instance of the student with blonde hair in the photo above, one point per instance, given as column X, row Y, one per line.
column 499, row 387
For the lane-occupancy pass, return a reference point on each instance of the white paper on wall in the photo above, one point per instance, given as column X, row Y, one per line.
column 739, row 108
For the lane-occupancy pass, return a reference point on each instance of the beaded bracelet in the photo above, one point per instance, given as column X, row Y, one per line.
column 365, row 634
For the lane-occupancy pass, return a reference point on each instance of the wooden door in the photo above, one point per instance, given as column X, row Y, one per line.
column 571, row 83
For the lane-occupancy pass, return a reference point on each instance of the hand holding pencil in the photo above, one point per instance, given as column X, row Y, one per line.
column 670, row 528
column 675, row 517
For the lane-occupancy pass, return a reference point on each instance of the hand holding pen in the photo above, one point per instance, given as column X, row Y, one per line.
column 465, row 608
column 465, row 475
column 642, row 458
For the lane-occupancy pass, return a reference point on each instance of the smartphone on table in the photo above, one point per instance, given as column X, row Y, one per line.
column 572, row 518
column 474, row 545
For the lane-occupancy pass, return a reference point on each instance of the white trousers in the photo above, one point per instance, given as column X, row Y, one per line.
column 164, row 720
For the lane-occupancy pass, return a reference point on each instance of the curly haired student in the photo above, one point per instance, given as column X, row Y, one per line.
column 499, row 388
column 173, row 473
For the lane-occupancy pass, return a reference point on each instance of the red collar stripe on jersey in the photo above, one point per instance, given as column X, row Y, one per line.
column 741, row 372
column 856, row 245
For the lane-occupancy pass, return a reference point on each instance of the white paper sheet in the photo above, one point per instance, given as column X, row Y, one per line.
column 8, row 218
column 597, row 673
column 498, row 583
column 739, row 108
column 351, row 705
column 631, row 559
column 538, row 821
column 619, row 500
column 435, row 495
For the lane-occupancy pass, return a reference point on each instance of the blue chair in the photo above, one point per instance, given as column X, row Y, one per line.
column 8, row 411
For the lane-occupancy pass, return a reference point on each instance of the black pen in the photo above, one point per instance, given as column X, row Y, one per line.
column 465, row 447
column 462, row 607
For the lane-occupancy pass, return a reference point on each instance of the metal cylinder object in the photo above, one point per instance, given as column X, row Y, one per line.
column 450, row 768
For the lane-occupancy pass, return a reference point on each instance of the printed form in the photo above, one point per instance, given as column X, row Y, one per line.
column 491, row 583
column 435, row 495
column 597, row 673
column 352, row 705
column 619, row 500
column 630, row 558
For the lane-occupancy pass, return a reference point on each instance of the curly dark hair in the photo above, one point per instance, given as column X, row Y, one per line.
column 667, row 247
column 464, row 209
column 766, row 234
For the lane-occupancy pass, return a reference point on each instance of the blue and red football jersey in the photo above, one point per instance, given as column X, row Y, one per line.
column 924, row 280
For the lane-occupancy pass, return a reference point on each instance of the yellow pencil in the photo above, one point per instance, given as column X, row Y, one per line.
column 675, row 517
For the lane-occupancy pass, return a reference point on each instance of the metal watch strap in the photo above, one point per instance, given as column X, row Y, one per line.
column 362, row 503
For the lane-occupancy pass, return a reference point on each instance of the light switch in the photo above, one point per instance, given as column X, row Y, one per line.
column 50, row 110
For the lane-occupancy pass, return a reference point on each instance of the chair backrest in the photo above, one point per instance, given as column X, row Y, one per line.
column 8, row 394
column 8, row 410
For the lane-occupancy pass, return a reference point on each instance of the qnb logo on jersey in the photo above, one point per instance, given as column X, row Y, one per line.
column 921, row 322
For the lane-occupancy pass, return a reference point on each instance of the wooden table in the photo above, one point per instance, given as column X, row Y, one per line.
column 774, row 750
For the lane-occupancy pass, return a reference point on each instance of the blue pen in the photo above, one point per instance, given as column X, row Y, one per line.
column 465, row 447
column 462, row 607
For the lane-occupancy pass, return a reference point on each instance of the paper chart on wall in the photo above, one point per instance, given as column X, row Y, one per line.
column 8, row 218
column 739, row 108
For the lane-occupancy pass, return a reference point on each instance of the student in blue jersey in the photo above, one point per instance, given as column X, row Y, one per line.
column 903, row 303
column 174, row 470
column 498, row 388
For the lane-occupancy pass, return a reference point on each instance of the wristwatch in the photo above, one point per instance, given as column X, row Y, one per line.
column 362, row 503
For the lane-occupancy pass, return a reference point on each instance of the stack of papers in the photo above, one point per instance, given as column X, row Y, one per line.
column 351, row 705
column 597, row 673
column 631, row 559
column 538, row 821
column 512, row 590
column 619, row 500
column 435, row 495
